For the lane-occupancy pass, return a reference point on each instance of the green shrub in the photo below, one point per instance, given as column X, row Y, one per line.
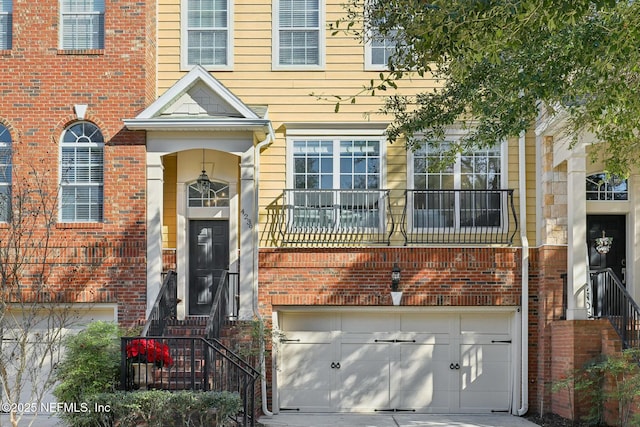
column 158, row 408
column 91, row 363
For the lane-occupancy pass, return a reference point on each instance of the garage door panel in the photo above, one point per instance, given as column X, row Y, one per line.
column 369, row 322
column 484, row 401
column 414, row 322
column 422, row 381
column 364, row 377
column 485, row 323
column 485, row 376
column 319, row 322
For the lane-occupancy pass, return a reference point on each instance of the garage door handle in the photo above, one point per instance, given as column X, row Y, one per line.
column 335, row 365
column 454, row 366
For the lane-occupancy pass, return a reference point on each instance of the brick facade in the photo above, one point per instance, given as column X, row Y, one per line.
column 40, row 85
column 362, row 277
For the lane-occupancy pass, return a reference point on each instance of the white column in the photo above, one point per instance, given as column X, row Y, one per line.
column 155, row 183
column 248, row 241
column 577, row 257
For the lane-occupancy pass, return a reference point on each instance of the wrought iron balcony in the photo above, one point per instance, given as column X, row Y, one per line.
column 361, row 217
column 336, row 217
column 459, row 217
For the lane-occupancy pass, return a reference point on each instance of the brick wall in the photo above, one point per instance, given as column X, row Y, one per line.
column 574, row 343
column 546, row 286
column 40, row 85
column 362, row 276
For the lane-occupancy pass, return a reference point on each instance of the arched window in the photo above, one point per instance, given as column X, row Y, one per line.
column 601, row 186
column 82, row 170
column 5, row 173
column 218, row 196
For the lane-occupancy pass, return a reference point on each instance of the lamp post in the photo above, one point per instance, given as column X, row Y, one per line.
column 396, row 295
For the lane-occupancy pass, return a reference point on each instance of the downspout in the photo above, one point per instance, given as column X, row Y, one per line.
column 524, row 334
column 256, row 241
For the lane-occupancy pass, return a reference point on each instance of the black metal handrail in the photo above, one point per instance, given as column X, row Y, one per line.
column 336, row 217
column 610, row 299
column 225, row 304
column 195, row 364
column 459, row 217
column 164, row 307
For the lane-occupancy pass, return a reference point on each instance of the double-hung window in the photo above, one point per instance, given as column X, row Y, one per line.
column 82, row 170
column 6, row 166
column 82, row 24
column 6, row 24
column 298, row 34
column 466, row 193
column 336, row 184
column 207, row 31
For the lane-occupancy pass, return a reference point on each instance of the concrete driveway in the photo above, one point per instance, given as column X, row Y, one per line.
column 398, row 420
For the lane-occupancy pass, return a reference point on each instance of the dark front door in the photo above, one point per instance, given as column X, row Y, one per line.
column 613, row 226
column 208, row 258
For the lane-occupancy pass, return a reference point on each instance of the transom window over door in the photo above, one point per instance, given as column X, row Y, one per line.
column 336, row 184
column 464, row 194
column 6, row 169
column 82, row 170
column 208, row 38
column 601, row 186
column 82, row 24
column 298, row 33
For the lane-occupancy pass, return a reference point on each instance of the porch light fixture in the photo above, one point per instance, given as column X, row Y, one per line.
column 203, row 182
column 395, row 278
column 603, row 244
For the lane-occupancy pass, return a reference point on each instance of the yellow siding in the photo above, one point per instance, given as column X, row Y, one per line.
column 292, row 96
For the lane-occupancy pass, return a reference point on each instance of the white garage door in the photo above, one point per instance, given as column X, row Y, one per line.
column 379, row 362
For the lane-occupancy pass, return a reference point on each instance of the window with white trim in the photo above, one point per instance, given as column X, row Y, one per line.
column 6, row 24
column 378, row 50
column 81, row 24
column 207, row 32
column 82, row 173
column 336, row 183
column 298, row 33
column 466, row 193
column 6, row 170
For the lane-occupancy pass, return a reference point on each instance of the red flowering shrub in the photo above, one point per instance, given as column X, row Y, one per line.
column 149, row 351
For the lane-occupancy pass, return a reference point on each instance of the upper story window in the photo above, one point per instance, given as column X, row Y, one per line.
column 298, row 34
column 5, row 173
column 466, row 193
column 81, row 174
column 207, row 33
column 6, row 26
column 601, row 186
column 82, row 24
column 378, row 50
column 336, row 183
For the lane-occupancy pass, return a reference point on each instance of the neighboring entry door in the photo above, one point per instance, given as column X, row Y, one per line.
column 612, row 226
column 208, row 259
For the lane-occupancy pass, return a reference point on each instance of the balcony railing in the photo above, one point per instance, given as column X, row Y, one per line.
column 459, row 217
column 336, row 217
column 359, row 217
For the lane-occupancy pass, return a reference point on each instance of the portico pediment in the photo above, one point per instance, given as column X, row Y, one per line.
column 199, row 102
